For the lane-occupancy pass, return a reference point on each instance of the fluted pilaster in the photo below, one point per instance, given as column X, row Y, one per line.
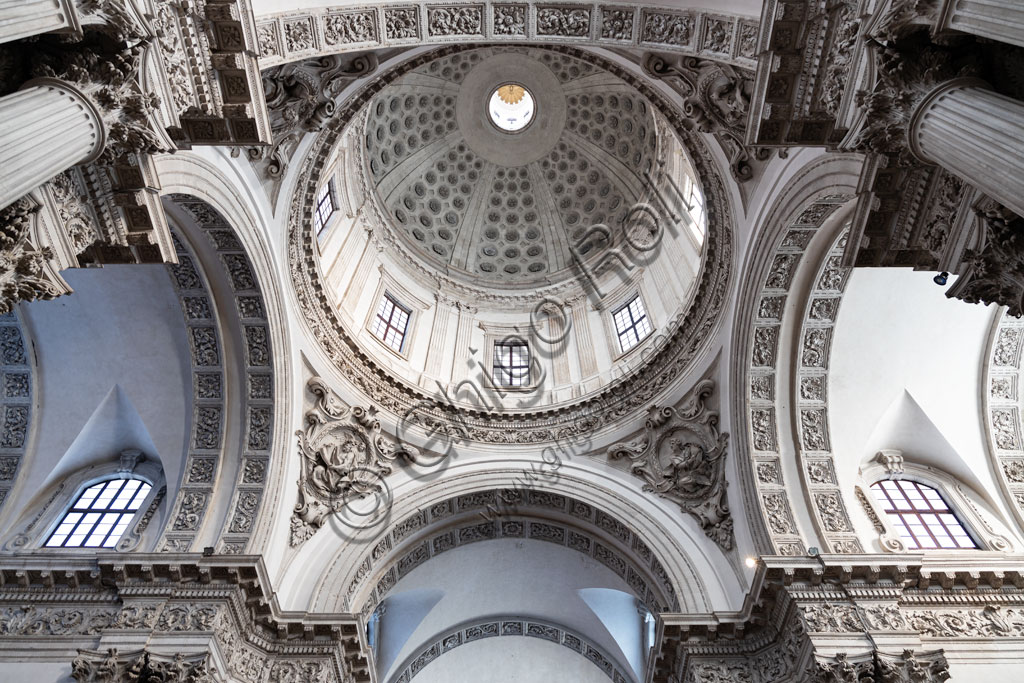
column 48, row 127
column 24, row 18
column 1001, row 20
column 975, row 133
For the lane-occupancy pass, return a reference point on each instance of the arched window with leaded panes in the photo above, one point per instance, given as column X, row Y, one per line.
column 921, row 516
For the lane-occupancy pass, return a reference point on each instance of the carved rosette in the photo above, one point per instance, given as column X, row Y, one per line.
column 681, row 458
column 345, row 457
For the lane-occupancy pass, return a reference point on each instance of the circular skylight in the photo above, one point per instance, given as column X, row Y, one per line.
column 511, row 107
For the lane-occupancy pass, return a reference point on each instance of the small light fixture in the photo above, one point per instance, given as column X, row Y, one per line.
column 941, row 278
column 751, row 562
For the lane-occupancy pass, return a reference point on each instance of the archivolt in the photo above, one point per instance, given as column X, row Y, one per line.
column 826, row 186
column 513, row 626
column 231, row 229
column 1004, row 373
column 511, row 513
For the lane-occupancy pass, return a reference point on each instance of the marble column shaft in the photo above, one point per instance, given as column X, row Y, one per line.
column 1000, row 20
column 48, row 127
column 976, row 133
column 24, row 18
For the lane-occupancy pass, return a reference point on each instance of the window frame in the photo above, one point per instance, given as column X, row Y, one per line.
column 396, row 305
column 961, row 499
column 73, row 508
column 321, row 224
column 512, row 342
column 615, row 301
column 407, row 300
column 634, row 323
column 906, row 508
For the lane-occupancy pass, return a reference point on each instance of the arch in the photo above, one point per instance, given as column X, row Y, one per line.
column 16, row 400
column 504, row 626
column 236, row 239
column 964, row 500
column 344, row 558
column 686, row 337
column 1001, row 399
column 765, row 315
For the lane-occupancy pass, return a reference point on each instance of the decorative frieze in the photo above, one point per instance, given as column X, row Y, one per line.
column 295, row 35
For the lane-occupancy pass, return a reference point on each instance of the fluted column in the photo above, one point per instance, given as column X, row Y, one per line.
column 1001, row 20
column 47, row 127
column 24, row 18
column 975, row 133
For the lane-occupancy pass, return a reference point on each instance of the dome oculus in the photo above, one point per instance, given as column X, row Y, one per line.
column 511, row 107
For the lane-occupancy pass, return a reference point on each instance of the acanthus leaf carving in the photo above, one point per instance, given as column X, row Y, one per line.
column 23, row 267
column 681, row 457
column 345, row 458
column 141, row 666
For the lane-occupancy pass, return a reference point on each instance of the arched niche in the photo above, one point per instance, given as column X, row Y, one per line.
column 671, row 564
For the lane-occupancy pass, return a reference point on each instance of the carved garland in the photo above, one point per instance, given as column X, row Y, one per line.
column 507, row 514
column 625, row 395
column 289, row 36
column 515, row 626
column 1004, row 372
column 259, row 394
column 205, row 446
column 764, row 440
column 814, row 445
column 15, row 400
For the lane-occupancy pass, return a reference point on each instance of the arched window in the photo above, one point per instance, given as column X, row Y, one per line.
column 922, row 518
column 101, row 515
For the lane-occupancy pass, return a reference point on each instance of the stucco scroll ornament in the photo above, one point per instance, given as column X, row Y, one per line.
column 682, row 458
column 345, row 457
column 301, row 98
column 716, row 100
column 139, row 667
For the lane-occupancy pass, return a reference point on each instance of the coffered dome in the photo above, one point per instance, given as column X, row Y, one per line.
column 508, row 203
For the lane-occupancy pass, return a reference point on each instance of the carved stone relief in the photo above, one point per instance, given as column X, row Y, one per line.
column 301, row 97
column 293, row 35
column 515, row 626
column 16, row 396
column 814, row 445
column 139, row 666
column 681, row 457
column 1002, row 405
column 345, row 457
column 716, row 100
column 511, row 513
